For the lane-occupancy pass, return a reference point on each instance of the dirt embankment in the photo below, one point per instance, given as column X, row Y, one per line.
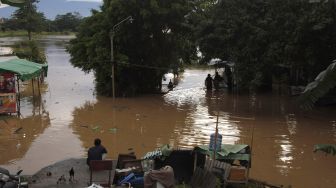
column 50, row 176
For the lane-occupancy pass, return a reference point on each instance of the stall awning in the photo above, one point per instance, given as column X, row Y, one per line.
column 15, row 3
column 23, row 68
column 228, row 151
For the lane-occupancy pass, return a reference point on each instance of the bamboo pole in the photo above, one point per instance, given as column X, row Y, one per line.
column 18, row 98
column 33, row 92
column 38, row 86
column 216, row 132
column 33, row 87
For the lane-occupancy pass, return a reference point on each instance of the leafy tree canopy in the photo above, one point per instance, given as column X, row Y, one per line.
column 144, row 50
column 262, row 35
column 67, row 22
column 28, row 17
column 29, row 50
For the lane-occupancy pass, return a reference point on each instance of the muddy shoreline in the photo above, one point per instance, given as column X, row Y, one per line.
column 49, row 176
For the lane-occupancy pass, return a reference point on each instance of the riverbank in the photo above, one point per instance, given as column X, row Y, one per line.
column 49, row 176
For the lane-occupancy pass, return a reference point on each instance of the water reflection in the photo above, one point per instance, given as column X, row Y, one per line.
column 47, row 117
column 16, row 138
column 69, row 116
column 139, row 123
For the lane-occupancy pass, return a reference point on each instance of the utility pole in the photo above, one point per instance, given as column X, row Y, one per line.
column 112, row 32
column 112, row 63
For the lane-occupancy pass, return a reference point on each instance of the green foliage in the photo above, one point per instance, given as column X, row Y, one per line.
column 67, row 22
column 29, row 50
column 15, row 3
column 154, row 39
column 323, row 83
column 13, row 33
column 326, row 148
column 263, row 35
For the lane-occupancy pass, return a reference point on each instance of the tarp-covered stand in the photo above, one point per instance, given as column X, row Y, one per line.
column 23, row 70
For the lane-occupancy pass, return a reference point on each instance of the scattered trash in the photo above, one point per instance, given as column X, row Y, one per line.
column 95, row 186
column 49, row 174
column 18, row 130
column 113, row 130
column 96, row 128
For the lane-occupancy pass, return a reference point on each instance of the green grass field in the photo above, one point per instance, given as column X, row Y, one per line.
column 24, row 33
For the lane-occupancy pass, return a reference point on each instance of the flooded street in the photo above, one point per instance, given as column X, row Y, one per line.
column 70, row 115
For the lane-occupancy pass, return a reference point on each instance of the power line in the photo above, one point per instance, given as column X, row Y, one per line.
column 144, row 66
column 137, row 65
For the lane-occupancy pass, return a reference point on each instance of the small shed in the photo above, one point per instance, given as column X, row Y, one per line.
column 12, row 70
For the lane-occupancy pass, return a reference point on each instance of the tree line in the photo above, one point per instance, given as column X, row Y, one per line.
column 30, row 19
column 269, row 40
column 287, row 41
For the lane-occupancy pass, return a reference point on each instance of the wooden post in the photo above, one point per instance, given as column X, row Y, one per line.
column 216, row 136
column 112, row 64
column 38, row 85
column 33, row 87
column 195, row 161
column 18, row 98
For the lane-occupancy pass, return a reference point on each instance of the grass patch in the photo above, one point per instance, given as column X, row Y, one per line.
column 13, row 34
column 22, row 33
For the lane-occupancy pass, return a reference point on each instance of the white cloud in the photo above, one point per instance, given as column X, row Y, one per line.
column 93, row 1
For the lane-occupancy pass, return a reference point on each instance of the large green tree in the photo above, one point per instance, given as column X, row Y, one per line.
column 29, row 18
column 263, row 36
column 30, row 50
column 67, row 22
column 144, row 50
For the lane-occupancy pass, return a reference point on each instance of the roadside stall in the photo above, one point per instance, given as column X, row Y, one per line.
column 231, row 162
column 12, row 70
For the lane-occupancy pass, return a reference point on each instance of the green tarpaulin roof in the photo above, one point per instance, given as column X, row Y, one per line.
column 227, row 151
column 23, row 68
column 15, row 3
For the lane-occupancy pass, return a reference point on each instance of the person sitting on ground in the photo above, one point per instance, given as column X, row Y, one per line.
column 170, row 84
column 96, row 152
column 208, row 82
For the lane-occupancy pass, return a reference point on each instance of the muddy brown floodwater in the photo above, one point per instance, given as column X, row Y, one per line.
column 70, row 115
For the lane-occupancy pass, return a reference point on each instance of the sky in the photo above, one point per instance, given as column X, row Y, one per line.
column 51, row 8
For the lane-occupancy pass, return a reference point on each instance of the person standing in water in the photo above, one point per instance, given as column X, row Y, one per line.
column 208, row 82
